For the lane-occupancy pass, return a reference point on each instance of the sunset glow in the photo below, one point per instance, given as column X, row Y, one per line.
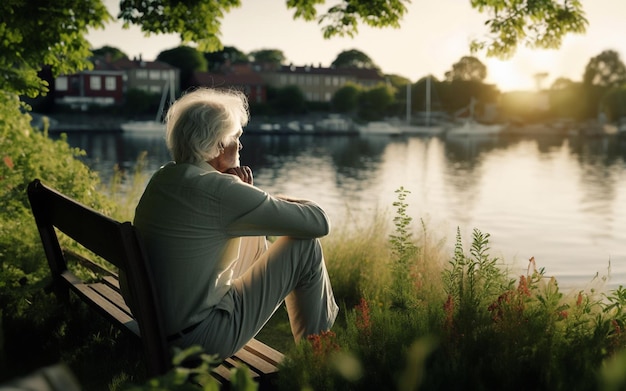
column 433, row 36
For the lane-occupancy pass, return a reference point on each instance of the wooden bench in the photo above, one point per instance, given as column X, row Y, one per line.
column 119, row 244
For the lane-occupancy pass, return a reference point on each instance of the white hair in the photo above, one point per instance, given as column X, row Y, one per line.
column 200, row 123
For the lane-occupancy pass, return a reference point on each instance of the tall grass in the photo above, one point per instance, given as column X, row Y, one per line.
column 421, row 319
column 126, row 188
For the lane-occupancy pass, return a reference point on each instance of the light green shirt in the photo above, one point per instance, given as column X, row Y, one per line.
column 191, row 219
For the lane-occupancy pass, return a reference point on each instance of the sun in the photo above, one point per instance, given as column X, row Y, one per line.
column 526, row 71
column 507, row 76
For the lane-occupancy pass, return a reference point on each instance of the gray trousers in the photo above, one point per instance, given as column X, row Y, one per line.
column 291, row 271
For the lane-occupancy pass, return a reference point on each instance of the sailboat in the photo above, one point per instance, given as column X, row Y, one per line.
column 469, row 126
column 155, row 126
column 429, row 128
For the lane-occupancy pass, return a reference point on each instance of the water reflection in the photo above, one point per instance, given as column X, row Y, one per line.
column 561, row 200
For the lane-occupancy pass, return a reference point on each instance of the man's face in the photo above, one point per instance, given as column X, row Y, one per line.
column 229, row 157
column 231, row 151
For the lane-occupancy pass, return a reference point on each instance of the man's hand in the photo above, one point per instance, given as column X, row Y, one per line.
column 244, row 173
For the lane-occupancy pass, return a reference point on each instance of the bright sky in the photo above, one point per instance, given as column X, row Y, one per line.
column 433, row 36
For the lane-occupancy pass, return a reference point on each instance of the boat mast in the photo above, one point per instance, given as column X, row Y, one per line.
column 159, row 114
column 408, row 103
column 428, row 101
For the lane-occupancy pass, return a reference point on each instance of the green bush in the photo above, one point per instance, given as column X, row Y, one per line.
column 27, row 154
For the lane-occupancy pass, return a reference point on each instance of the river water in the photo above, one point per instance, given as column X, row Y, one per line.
column 561, row 200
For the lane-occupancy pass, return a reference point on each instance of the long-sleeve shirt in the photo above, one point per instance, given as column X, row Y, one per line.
column 191, row 219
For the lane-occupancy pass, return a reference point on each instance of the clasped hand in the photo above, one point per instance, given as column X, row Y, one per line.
column 244, row 173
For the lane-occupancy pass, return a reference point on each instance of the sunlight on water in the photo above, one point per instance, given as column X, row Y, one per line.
column 562, row 201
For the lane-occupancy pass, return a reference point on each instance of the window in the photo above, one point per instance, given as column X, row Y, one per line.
column 155, row 75
column 95, row 83
column 327, row 96
column 60, row 84
column 110, row 83
column 141, row 74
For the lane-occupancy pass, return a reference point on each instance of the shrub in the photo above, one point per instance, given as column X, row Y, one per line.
column 26, row 154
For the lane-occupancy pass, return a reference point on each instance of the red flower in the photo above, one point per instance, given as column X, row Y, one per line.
column 579, row 300
column 522, row 288
column 363, row 322
column 8, row 162
column 323, row 344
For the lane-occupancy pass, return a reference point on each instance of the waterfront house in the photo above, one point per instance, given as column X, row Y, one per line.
column 317, row 83
column 241, row 77
column 149, row 76
column 108, row 82
column 101, row 86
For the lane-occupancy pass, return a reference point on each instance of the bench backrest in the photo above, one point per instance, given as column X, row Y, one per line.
column 117, row 243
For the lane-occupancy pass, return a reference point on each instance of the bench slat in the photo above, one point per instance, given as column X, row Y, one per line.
column 255, row 363
column 111, row 295
column 222, row 374
column 112, row 282
column 100, row 303
column 88, row 263
column 266, row 352
column 231, row 362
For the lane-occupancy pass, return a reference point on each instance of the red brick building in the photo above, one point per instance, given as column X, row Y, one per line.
column 102, row 86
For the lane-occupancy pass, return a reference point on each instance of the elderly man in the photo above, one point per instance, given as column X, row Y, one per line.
column 205, row 224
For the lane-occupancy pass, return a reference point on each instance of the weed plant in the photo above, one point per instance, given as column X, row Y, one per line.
column 459, row 324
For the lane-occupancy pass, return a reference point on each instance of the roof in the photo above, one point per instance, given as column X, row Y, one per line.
column 226, row 79
column 127, row 64
column 359, row 73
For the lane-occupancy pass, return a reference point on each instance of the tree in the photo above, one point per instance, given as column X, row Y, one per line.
column 290, row 100
column 467, row 69
column 561, row 83
column 345, row 99
column 567, row 100
column 614, row 103
column 40, row 34
column 605, row 70
column 109, row 51
column 397, row 81
column 187, row 59
column 60, row 42
column 353, row 59
column 374, row 102
column 268, row 56
column 532, row 23
column 229, row 54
